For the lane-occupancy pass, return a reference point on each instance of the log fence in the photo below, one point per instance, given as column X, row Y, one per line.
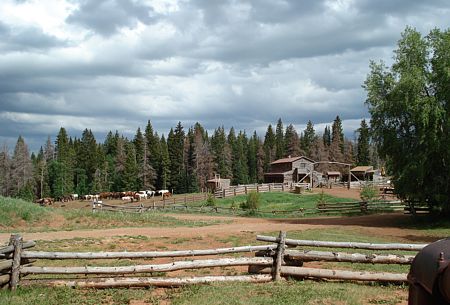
column 271, row 262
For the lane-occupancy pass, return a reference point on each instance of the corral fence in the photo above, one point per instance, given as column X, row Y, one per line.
column 362, row 207
column 259, row 188
column 271, row 262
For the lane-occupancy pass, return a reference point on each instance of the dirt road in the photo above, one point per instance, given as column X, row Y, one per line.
column 376, row 225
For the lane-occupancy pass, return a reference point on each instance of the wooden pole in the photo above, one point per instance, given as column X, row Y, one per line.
column 276, row 274
column 5, row 265
column 343, row 275
column 158, row 282
column 9, row 249
column 150, row 254
column 308, row 256
column 16, row 241
column 352, row 245
column 174, row 266
column 4, row 279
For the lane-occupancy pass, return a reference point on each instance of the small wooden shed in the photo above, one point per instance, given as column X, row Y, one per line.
column 334, row 176
column 218, row 183
column 362, row 173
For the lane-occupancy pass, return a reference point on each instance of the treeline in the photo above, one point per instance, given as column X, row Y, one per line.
column 182, row 162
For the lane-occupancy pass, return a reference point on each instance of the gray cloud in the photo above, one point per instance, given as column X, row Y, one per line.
column 106, row 17
column 26, row 39
column 116, row 64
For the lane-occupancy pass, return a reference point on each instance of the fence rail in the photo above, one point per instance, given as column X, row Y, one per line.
column 321, row 208
column 274, row 259
column 259, row 188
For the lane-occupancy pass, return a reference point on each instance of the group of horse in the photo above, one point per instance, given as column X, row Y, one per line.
column 125, row 196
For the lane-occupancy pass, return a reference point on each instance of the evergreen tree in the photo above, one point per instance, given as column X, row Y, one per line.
column 153, row 156
column 221, row 153
column 309, row 136
column 86, row 167
column 292, row 142
column 252, row 158
column 231, row 140
column 130, row 171
column 61, row 170
column 337, row 133
column 279, row 140
column 175, row 143
column 269, row 148
column 164, row 169
column 239, row 152
column 363, row 147
column 327, row 136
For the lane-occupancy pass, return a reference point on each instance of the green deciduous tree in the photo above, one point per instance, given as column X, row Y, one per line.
column 410, row 107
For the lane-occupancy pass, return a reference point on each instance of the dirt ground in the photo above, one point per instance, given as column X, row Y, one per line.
column 246, row 228
column 374, row 225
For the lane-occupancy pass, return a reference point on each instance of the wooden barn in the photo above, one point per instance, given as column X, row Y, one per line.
column 289, row 170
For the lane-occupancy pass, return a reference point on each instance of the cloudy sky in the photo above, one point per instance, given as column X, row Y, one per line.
column 114, row 64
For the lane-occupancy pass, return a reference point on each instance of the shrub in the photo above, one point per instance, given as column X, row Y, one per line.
column 368, row 193
column 211, row 201
column 321, row 200
column 252, row 203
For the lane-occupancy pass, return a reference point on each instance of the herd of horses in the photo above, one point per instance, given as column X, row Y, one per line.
column 125, row 196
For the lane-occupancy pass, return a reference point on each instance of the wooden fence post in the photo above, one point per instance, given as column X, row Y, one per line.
column 16, row 241
column 276, row 269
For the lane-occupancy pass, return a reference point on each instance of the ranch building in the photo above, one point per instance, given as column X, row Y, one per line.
column 362, row 173
column 334, row 176
column 290, row 170
column 218, row 183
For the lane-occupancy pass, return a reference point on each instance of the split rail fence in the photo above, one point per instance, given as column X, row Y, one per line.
column 271, row 262
column 322, row 208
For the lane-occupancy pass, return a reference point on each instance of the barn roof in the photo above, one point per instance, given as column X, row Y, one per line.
column 290, row 160
column 363, row 169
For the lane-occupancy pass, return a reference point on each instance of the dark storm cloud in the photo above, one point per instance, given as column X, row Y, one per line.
column 108, row 16
column 233, row 63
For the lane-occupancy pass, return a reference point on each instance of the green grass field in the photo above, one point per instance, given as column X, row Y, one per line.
column 276, row 201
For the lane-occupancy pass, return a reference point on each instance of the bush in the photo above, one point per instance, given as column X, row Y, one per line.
column 368, row 193
column 252, row 203
column 321, row 200
column 211, row 201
